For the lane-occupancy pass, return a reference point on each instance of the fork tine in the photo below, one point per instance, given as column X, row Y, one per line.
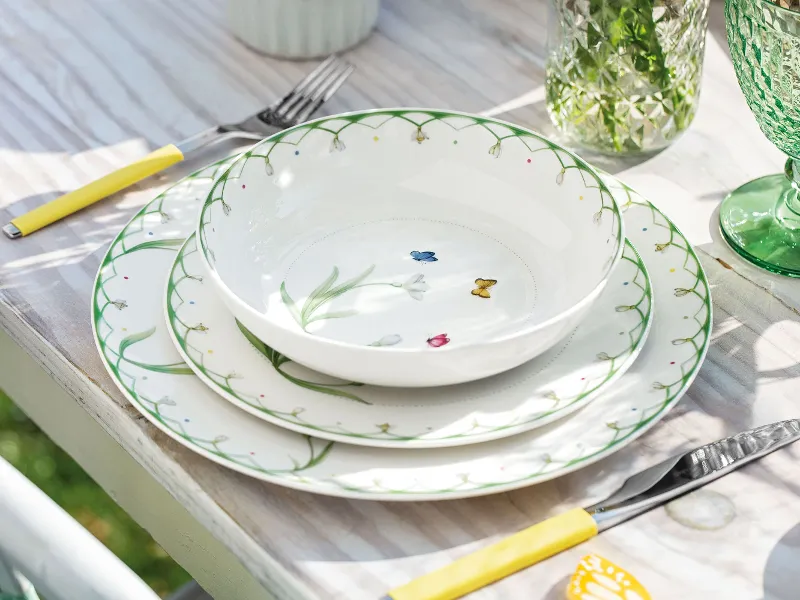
column 306, row 86
column 321, row 95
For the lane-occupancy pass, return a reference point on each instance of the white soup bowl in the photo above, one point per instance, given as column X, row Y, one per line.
column 409, row 247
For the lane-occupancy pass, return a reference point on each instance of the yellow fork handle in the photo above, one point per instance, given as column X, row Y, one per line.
column 65, row 205
column 499, row 560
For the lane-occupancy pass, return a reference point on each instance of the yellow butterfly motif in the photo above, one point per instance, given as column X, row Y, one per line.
column 483, row 287
column 597, row 578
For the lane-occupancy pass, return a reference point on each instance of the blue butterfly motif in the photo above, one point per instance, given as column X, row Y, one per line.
column 425, row 257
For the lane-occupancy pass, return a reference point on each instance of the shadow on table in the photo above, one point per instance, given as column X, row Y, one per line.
column 721, row 402
column 781, row 575
column 557, row 592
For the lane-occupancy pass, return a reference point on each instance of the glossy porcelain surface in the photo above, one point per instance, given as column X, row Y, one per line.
column 408, row 247
column 243, row 369
column 136, row 349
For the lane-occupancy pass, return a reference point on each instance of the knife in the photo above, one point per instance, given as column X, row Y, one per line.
column 641, row 492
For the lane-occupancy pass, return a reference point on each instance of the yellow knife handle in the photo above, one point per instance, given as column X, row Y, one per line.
column 65, row 205
column 499, row 560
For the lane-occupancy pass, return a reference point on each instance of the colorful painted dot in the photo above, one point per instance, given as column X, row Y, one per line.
column 149, row 233
column 124, row 329
column 622, row 333
column 672, row 270
column 191, row 301
column 376, row 138
column 685, row 317
column 243, row 186
column 634, row 409
column 252, row 454
column 625, row 282
column 144, row 378
column 672, row 363
column 261, row 395
column 455, row 142
column 186, row 420
column 126, row 277
column 644, row 228
column 583, row 378
column 296, row 152
column 580, row 197
column 211, row 352
column 529, row 160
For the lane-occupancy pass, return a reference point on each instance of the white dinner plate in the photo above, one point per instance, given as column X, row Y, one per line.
column 234, row 363
column 132, row 337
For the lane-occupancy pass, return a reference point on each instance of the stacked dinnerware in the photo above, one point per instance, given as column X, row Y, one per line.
column 403, row 279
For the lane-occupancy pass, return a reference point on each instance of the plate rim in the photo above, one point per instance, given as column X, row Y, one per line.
column 496, row 433
column 340, row 491
column 439, row 115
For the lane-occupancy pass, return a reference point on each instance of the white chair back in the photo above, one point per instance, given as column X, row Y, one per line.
column 40, row 544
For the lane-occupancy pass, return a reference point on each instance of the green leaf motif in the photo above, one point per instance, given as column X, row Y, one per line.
column 179, row 368
column 351, row 283
column 287, row 300
column 318, row 292
column 134, row 338
column 272, row 355
column 323, row 389
column 323, row 294
column 277, row 359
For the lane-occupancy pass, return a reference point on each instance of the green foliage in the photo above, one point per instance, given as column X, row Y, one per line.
column 608, row 84
column 37, row 457
column 277, row 359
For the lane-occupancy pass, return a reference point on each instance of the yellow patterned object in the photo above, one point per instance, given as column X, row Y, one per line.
column 74, row 201
column 521, row 550
column 599, row 579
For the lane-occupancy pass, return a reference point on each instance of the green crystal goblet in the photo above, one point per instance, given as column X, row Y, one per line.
column 761, row 219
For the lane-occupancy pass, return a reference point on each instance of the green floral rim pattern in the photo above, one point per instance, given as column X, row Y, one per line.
column 183, row 332
column 263, row 150
column 120, row 366
column 670, row 240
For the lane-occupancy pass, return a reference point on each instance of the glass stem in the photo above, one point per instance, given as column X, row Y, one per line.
column 792, row 197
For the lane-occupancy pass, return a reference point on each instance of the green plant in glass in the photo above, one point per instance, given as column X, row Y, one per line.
column 761, row 219
column 623, row 76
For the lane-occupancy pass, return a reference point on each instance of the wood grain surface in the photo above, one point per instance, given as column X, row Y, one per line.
column 89, row 85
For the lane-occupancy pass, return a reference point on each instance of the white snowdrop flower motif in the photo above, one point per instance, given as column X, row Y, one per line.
column 387, row 340
column 419, row 135
column 219, row 439
column 268, row 168
column 496, row 150
column 337, row 145
column 560, row 176
column 416, row 286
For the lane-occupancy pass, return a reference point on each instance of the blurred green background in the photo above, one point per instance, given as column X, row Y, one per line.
column 31, row 452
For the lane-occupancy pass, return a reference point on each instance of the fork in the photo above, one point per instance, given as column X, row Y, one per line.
column 295, row 107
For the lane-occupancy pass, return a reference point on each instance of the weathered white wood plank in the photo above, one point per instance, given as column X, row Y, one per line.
column 86, row 85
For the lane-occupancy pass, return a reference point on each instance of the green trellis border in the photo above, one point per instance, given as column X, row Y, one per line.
column 120, row 366
column 264, row 149
column 226, row 382
column 318, row 450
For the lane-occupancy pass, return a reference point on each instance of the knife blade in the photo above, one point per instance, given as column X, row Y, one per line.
column 639, row 493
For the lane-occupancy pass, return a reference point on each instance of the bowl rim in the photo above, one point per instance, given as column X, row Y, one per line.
column 587, row 299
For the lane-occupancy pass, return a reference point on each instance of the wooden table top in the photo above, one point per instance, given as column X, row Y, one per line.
column 89, row 85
